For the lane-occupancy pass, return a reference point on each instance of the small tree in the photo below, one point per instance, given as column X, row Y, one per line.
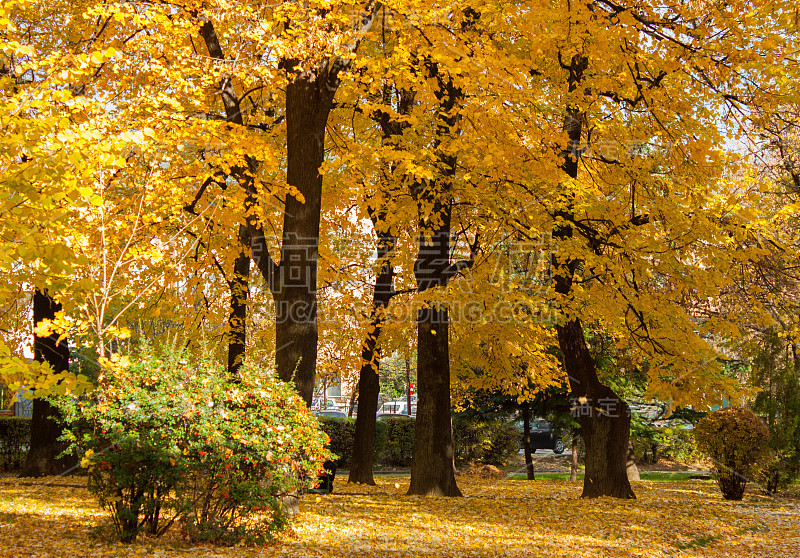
column 737, row 440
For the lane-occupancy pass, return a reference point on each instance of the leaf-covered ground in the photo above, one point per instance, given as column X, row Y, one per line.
column 55, row 517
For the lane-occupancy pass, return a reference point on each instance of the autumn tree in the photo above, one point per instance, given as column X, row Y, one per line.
column 630, row 258
column 42, row 458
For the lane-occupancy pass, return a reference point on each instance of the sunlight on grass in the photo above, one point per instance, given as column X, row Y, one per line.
column 495, row 518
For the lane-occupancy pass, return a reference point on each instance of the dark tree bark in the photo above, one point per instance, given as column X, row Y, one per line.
column 526, row 441
column 309, row 99
column 368, row 379
column 605, row 434
column 239, row 285
column 293, row 283
column 353, row 402
column 240, row 291
column 45, row 429
column 433, row 466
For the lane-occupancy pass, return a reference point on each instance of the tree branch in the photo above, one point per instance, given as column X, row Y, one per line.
column 457, row 267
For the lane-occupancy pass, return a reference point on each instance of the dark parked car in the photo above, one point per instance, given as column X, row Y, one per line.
column 543, row 436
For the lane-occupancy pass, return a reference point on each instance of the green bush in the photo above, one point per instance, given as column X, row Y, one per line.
column 168, row 440
column 15, row 436
column 679, row 444
column 399, row 443
column 737, row 440
column 342, row 432
column 492, row 442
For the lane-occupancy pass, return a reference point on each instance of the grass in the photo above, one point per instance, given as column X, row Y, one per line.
column 654, row 476
column 51, row 518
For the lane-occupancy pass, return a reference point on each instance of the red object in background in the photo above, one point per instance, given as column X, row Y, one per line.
column 412, row 389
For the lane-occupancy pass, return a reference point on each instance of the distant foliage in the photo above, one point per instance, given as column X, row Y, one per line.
column 650, row 444
column 737, row 440
column 15, row 435
column 176, row 441
column 775, row 374
column 492, row 442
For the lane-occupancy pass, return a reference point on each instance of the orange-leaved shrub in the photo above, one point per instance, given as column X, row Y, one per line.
column 175, row 439
column 737, row 440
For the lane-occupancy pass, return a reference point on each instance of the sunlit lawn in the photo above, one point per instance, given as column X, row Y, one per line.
column 55, row 517
column 646, row 476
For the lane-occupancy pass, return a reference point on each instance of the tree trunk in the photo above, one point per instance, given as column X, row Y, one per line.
column 368, row 380
column 353, row 402
column 630, row 464
column 309, row 98
column 433, row 465
column 45, row 429
column 237, row 320
column 526, row 441
column 573, row 468
column 605, row 433
column 293, row 282
column 408, row 386
column 364, row 438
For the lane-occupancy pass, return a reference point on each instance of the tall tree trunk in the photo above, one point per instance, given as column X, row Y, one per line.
column 45, row 429
column 433, row 465
column 293, row 282
column 368, row 383
column 368, row 379
column 364, row 437
column 240, row 290
column 309, row 98
column 526, row 441
column 604, row 433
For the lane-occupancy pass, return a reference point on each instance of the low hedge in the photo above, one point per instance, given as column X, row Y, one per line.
column 399, row 443
column 492, row 442
column 342, row 432
column 15, row 436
